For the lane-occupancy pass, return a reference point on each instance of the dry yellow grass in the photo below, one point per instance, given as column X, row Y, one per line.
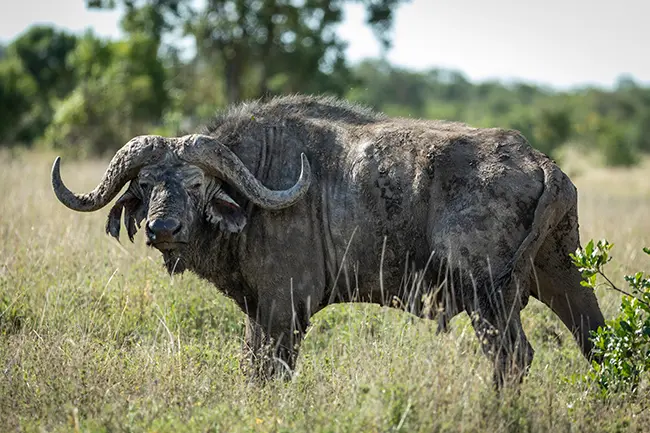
column 95, row 336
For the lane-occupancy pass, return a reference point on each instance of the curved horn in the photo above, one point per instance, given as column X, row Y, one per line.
column 124, row 166
column 218, row 160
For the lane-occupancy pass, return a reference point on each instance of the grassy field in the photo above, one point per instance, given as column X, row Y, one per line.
column 95, row 336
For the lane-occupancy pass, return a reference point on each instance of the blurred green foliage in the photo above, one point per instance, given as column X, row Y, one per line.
column 179, row 61
column 120, row 93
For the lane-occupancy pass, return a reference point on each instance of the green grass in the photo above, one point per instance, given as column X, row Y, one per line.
column 95, row 336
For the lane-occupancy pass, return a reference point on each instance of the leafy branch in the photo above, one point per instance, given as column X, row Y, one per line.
column 590, row 262
column 623, row 344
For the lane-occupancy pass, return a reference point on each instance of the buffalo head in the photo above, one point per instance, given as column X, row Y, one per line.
column 176, row 186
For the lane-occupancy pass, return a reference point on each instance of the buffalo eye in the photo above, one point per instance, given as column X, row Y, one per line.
column 145, row 185
column 195, row 186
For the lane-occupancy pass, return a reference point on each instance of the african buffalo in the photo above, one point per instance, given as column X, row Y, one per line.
column 298, row 202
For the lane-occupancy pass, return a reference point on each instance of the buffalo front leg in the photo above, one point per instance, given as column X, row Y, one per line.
column 271, row 346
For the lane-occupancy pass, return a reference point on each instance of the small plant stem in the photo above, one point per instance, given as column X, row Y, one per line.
column 613, row 286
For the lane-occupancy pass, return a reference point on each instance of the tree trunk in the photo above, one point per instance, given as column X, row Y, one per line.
column 267, row 47
column 233, row 79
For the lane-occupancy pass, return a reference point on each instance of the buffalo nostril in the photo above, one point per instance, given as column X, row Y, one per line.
column 149, row 230
column 163, row 229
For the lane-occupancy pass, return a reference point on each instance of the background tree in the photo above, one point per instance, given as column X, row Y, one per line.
column 121, row 93
column 178, row 61
column 394, row 90
column 34, row 73
column 17, row 93
column 154, row 18
column 43, row 50
column 279, row 46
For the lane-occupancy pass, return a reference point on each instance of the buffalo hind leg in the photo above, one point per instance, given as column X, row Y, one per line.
column 558, row 284
column 574, row 304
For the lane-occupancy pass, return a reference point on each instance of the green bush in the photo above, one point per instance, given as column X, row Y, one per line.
column 120, row 94
column 623, row 345
column 17, row 92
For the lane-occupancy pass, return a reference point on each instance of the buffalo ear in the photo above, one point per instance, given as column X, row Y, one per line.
column 225, row 212
column 113, row 221
column 134, row 213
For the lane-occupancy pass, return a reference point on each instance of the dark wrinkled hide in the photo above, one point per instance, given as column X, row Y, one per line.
column 434, row 217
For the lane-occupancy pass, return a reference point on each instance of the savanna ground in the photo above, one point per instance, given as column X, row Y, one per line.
column 95, row 336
